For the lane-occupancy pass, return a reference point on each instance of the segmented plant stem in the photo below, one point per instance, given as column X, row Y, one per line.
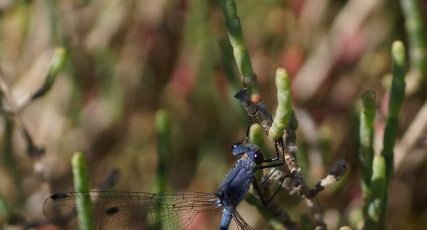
column 163, row 132
column 255, row 135
column 366, row 134
column 397, row 94
column 415, row 29
column 376, row 201
column 57, row 64
column 82, row 185
column 284, row 107
column 241, row 54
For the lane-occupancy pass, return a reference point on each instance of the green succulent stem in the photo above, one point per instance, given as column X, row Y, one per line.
column 82, row 185
column 256, row 134
column 366, row 139
column 415, row 29
column 52, row 13
column 4, row 210
column 241, row 54
column 284, row 107
column 163, row 133
column 58, row 62
column 397, row 94
column 376, row 200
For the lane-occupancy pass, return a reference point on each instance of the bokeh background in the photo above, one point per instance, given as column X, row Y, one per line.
column 129, row 59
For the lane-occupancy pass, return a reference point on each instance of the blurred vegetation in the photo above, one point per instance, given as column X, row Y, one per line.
column 126, row 63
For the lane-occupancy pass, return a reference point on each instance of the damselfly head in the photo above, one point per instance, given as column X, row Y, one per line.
column 253, row 153
column 250, row 150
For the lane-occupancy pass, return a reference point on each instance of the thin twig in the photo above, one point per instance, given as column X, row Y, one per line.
column 32, row 149
column 335, row 173
column 411, row 137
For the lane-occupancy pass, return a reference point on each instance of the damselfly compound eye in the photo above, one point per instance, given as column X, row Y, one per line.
column 258, row 157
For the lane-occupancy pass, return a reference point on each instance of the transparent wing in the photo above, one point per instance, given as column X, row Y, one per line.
column 241, row 223
column 130, row 210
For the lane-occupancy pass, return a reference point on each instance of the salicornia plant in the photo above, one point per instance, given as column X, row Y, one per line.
column 377, row 170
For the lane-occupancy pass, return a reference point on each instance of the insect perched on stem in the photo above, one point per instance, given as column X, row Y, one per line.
column 142, row 210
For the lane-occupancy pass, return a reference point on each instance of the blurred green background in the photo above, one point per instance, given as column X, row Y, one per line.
column 129, row 59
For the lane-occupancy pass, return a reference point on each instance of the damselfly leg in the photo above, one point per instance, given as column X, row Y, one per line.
column 271, row 163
